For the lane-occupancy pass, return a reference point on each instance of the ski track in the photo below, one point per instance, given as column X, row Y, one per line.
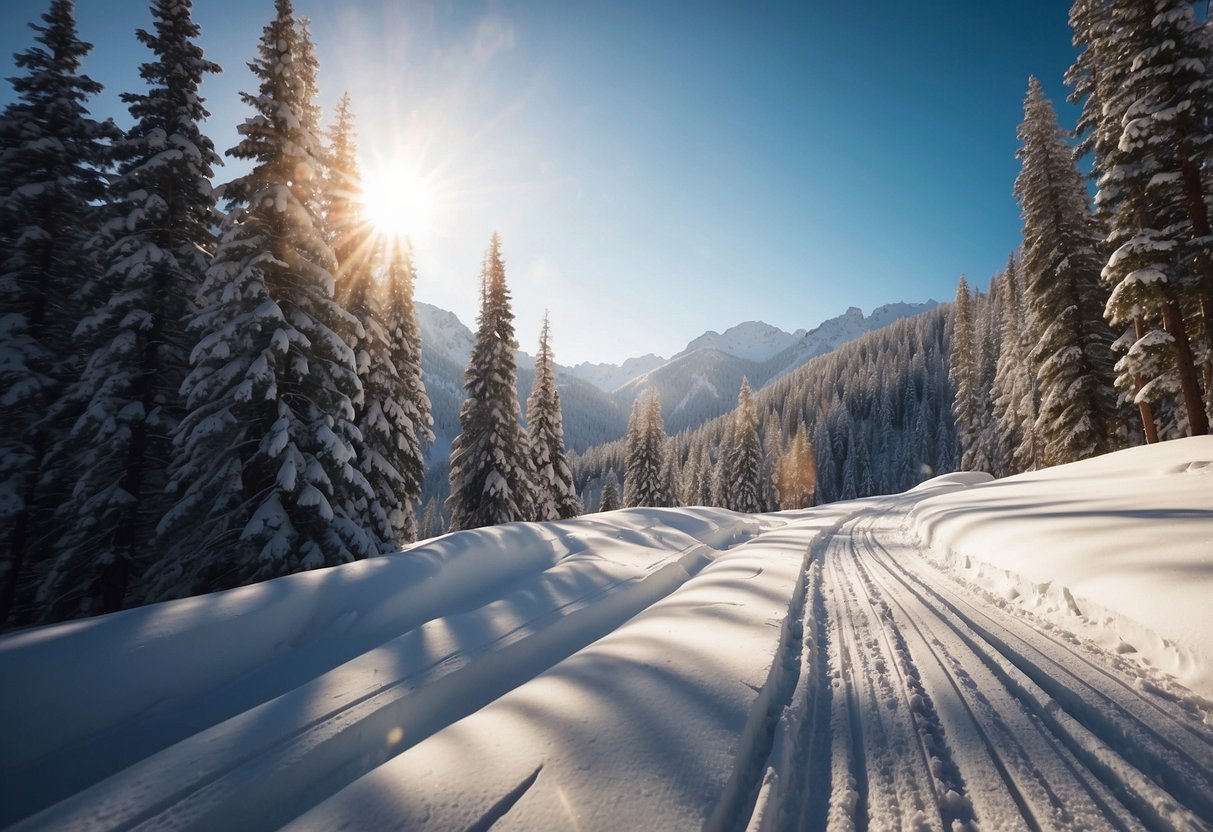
column 928, row 707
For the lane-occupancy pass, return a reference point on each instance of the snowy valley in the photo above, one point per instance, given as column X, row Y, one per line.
column 1029, row 653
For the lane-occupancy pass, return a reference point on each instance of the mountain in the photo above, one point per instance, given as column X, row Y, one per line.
column 697, row 384
column 611, row 377
column 702, row 381
column 752, row 340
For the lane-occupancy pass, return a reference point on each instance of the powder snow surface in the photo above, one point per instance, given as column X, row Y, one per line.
column 1029, row 653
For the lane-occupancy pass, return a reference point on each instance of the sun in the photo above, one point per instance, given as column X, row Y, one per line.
column 398, row 201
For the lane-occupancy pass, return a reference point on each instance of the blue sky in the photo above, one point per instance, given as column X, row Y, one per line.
column 660, row 169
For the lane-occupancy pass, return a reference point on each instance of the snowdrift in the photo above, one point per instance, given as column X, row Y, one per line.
column 1117, row 549
column 637, row 642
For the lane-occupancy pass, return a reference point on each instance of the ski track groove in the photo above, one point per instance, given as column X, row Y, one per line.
column 1032, row 792
column 929, row 706
column 1100, row 728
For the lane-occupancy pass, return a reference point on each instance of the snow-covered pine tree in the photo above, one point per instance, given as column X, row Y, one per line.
column 966, row 402
column 491, row 472
column 431, row 520
column 268, row 447
column 393, row 414
column 52, row 161
column 1014, row 392
column 743, row 490
column 610, row 492
column 404, row 402
column 671, row 473
column 164, row 210
column 1072, row 355
column 1137, row 44
column 1168, row 130
column 722, row 471
column 772, row 452
column 984, row 455
column 643, row 484
column 555, row 496
column 688, row 480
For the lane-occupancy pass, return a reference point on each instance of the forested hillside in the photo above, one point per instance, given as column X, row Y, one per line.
column 877, row 412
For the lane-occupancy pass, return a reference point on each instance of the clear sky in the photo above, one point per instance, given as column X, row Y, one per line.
column 657, row 169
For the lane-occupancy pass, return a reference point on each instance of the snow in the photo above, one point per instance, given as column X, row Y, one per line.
column 753, row 340
column 1118, row 548
column 1027, row 652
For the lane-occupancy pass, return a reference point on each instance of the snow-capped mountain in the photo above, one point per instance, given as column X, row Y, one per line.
column 752, row 340
column 611, row 377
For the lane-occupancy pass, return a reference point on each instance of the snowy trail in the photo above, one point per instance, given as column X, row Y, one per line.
column 902, row 662
column 942, row 710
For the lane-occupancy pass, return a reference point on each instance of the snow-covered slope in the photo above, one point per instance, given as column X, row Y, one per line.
column 1025, row 653
column 1118, row 549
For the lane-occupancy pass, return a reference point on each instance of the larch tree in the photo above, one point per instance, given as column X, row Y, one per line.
column 53, row 157
column 491, row 473
column 161, row 240
column 1061, row 264
column 797, row 476
column 646, row 447
column 268, row 448
column 555, row 495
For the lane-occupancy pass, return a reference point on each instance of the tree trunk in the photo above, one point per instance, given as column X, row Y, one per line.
column 1198, row 215
column 1173, row 323
column 1143, row 407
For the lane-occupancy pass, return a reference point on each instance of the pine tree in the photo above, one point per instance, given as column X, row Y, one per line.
column 772, row 452
column 431, row 520
column 1014, row 393
column 1146, row 152
column 610, row 492
column 393, row 414
column 1061, row 263
column 1168, row 131
column 128, row 391
column 556, row 498
column 643, row 483
column 964, row 373
column 52, row 160
column 268, row 447
column 983, row 454
column 744, row 457
column 491, row 471
column 404, row 402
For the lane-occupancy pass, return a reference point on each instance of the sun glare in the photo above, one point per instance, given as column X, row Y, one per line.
column 398, row 202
